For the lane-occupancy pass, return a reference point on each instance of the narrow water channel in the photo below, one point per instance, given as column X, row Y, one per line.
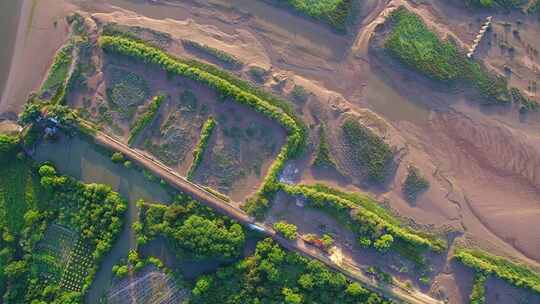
column 9, row 19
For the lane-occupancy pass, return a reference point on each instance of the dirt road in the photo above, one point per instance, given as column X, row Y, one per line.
column 397, row 291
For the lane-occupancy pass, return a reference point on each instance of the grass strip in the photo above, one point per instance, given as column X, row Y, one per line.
column 206, row 132
column 146, row 118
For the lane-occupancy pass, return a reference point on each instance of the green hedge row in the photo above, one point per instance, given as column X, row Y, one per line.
column 228, row 86
column 367, row 223
column 413, row 44
column 478, row 293
column 517, row 275
column 206, row 132
column 145, row 118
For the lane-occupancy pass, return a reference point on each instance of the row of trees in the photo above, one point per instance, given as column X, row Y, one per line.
column 371, row 228
column 515, row 274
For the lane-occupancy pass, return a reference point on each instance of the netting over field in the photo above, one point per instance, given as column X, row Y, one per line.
column 149, row 286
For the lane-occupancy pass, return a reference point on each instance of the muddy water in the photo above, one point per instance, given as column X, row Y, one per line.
column 9, row 19
column 82, row 160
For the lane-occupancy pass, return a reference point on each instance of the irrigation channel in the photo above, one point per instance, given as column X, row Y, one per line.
column 397, row 292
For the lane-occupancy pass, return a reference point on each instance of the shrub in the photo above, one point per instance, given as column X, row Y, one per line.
column 206, row 133
column 117, row 157
column 368, row 150
column 289, row 231
column 384, row 242
column 146, row 118
column 414, row 184
column 525, row 104
column 299, row 94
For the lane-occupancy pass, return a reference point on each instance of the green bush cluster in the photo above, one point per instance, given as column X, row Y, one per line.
column 289, row 231
column 228, row 86
column 273, row 275
column 206, row 133
column 117, row 157
column 525, row 104
column 414, row 184
column 323, row 158
column 191, row 229
column 215, row 53
column 332, row 12
column 368, row 150
column 372, row 227
column 92, row 212
column 146, row 118
column 534, row 8
column 413, row 44
column 517, row 275
column 478, row 293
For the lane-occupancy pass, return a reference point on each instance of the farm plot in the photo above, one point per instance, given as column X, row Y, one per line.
column 150, row 286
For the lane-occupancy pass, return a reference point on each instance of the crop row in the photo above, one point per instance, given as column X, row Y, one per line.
column 146, row 118
column 206, row 132
column 517, row 275
column 228, row 86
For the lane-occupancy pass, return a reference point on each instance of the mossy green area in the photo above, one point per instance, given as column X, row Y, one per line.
column 534, row 8
column 191, row 229
column 273, row 275
column 413, row 44
column 514, row 274
column 55, row 231
column 367, row 150
column 126, row 91
column 372, row 224
column 323, row 157
column 478, row 293
column 58, row 71
column 333, row 12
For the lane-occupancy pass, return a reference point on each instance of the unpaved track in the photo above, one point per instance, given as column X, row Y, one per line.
column 397, row 292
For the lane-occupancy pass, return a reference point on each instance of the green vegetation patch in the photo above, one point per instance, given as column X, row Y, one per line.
column 333, row 12
column 145, row 118
column 514, row 274
column 367, row 150
column 414, row 184
column 413, row 44
column 59, row 70
column 478, row 293
column 206, row 132
column 126, row 91
column 534, row 8
column 323, row 158
column 372, row 224
column 192, row 230
column 525, row 104
column 273, row 275
column 228, row 86
column 65, row 229
column 289, row 231
column 217, row 54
